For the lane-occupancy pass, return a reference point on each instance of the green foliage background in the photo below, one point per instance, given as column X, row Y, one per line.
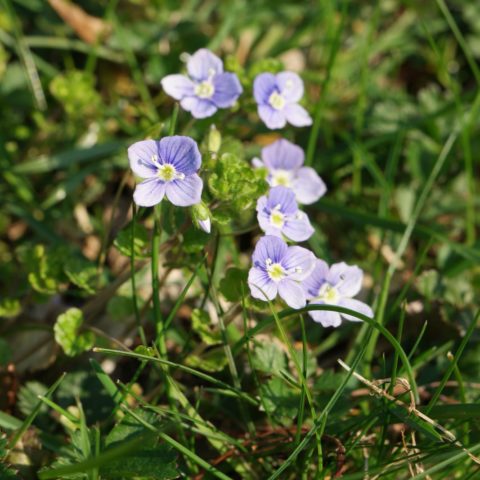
column 393, row 88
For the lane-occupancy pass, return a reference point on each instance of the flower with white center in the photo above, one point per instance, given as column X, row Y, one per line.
column 206, row 88
column 277, row 97
column 335, row 286
column 284, row 161
column 169, row 167
column 278, row 215
column 279, row 270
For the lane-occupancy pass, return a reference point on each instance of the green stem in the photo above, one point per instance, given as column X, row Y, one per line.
column 133, row 279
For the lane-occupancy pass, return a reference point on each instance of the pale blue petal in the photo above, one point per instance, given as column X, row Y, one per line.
column 290, row 85
column 284, row 197
column 299, row 262
column 204, row 64
column 182, row 152
column 140, row 157
column 198, row 107
column 269, row 247
column 272, row 118
column 316, row 279
column 178, row 86
column 348, row 278
column 324, row 317
column 356, row 306
column 308, row 186
column 261, row 286
column 263, row 86
column 298, row 227
column 149, row 193
column 205, row 225
column 186, row 192
column 292, row 293
column 297, row 115
column 227, row 89
column 283, row 155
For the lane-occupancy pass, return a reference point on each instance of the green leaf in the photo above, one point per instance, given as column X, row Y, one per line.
column 141, row 242
column 67, row 333
column 82, row 273
column 279, row 399
column 9, row 307
column 202, row 325
column 231, row 284
column 156, row 462
column 45, row 268
column 194, row 240
column 212, row 360
column 268, row 357
column 28, row 397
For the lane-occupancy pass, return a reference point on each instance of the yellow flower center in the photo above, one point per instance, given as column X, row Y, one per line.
column 168, row 172
column 276, row 100
column 277, row 218
column 281, row 177
column 275, row 271
column 204, row 89
column 329, row 294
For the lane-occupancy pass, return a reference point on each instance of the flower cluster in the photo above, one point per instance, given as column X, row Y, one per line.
column 169, row 168
column 293, row 272
column 208, row 88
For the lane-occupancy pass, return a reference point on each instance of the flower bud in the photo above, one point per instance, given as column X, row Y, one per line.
column 201, row 217
column 214, row 140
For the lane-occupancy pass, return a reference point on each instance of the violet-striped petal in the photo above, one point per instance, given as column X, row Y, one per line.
column 203, row 64
column 261, row 286
column 299, row 262
column 181, row 152
column 283, row 155
column 292, row 293
column 140, row 156
column 227, row 89
column 149, row 192
column 185, row 192
column 316, row 279
column 198, row 107
column 263, row 86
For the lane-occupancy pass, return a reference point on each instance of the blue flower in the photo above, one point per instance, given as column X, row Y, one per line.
column 277, row 97
column 207, row 88
column 335, row 286
column 169, row 167
column 284, row 161
column 278, row 215
column 279, row 269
